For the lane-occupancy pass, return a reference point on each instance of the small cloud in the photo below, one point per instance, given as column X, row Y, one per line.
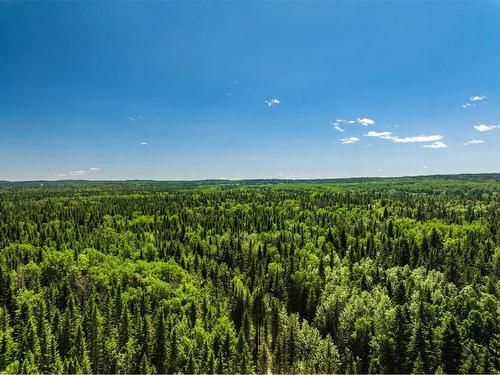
column 135, row 118
column 337, row 127
column 477, row 98
column 365, row 121
column 383, row 135
column 229, row 94
column 143, row 143
column 358, row 120
column 424, row 167
column 76, row 173
column 473, row 142
column 235, row 82
column 474, row 100
column 486, row 128
column 418, row 138
column 348, row 140
column 272, row 102
column 436, row 145
column 397, row 139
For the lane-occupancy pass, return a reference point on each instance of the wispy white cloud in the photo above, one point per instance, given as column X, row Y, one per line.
column 362, row 121
column 438, row 144
column 477, row 98
column 348, row 140
column 486, row 128
column 77, row 172
column 350, row 122
column 365, row 121
column 418, row 138
column 473, row 142
column 143, row 143
column 398, row 139
column 135, row 118
column 337, row 127
column 383, row 135
column 474, row 100
column 272, row 102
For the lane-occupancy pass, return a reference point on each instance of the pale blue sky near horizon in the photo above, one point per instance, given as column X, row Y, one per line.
column 197, row 90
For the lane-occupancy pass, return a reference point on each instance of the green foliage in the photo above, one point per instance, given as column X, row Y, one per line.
column 348, row 276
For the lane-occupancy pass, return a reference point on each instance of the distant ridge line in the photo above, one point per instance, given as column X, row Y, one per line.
column 250, row 181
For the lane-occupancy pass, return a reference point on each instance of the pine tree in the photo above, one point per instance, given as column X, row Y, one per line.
column 418, row 365
column 244, row 356
column 29, row 342
column 124, row 331
column 28, row 365
column 173, row 352
column 451, row 347
column 92, row 328
column 262, row 359
column 400, row 340
column 159, row 351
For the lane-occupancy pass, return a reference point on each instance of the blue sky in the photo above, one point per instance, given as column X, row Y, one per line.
column 197, row 90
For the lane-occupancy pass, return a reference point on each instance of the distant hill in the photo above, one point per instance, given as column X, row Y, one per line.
column 247, row 182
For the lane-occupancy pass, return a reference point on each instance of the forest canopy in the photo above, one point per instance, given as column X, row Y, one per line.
column 396, row 275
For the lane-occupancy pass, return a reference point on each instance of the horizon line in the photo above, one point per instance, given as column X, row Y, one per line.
column 254, row 178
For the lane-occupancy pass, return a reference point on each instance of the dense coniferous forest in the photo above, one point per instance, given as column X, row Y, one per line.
column 348, row 276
